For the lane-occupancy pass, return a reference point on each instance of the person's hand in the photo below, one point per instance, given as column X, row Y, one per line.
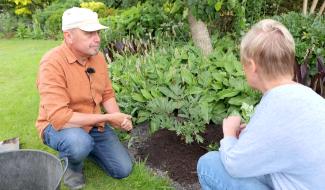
column 117, row 119
column 241, row 127
column 231, row 126
column 127, row 124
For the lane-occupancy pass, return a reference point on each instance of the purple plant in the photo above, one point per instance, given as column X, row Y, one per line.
column 303, row 76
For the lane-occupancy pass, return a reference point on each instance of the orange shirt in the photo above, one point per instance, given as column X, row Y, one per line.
column 65, row 87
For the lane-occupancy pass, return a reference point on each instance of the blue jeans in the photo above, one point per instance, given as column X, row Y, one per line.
column 213, row 176
column 103, row 147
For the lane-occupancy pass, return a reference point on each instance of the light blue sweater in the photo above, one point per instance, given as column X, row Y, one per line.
column 284, row 140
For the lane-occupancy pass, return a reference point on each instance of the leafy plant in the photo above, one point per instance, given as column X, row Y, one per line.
column 143, row 21
column 213, row 146
column 314, row 81
column 8, row 24
column 179, row 89
column 307, row 31
column 22, row 31
column 98, row 7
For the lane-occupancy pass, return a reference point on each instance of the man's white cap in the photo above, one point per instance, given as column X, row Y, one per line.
column 82, row 18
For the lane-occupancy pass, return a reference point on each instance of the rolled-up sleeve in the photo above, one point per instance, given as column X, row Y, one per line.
column 109, row 91
column 54, row 98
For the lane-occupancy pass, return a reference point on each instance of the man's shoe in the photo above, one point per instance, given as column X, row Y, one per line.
column 74, row 180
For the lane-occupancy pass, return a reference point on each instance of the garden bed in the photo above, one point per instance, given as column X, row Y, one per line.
column 168, row 155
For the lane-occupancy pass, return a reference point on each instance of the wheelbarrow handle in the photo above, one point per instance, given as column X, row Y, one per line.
column 64, row 162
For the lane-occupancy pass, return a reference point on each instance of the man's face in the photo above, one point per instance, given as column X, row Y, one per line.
column 84, row 43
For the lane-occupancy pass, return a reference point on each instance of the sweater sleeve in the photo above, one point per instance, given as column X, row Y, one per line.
column 254, row 153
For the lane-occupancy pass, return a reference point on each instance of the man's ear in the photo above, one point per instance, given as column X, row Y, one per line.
column 68, row 37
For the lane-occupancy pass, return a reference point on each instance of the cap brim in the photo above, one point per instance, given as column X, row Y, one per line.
column 92, row 27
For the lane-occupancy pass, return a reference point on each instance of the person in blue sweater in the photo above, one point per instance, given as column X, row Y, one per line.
column 283, row 145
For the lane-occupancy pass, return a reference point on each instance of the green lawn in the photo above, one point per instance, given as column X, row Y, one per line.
column 19, row 109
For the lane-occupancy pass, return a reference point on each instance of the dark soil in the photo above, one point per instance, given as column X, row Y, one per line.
column 167, row 152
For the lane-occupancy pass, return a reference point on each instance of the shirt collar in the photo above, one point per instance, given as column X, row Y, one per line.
column 71, row 58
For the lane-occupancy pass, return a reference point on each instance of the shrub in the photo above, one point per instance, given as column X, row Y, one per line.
column 143, row 21
column 49, row 18
column 23, row 31
column 8, row 24
column 308, row 32
column 98, row 7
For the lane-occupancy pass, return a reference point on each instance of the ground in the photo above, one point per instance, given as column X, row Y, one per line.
column 167, row 153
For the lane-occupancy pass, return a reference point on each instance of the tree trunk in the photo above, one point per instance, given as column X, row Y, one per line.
column 304, row 7
column 322, row 8
column 200, row 34
column 313, row 6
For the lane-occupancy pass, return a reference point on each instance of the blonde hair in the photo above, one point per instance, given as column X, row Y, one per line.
column 271, row 46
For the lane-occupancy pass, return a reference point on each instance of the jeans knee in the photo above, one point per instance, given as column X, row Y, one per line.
column 123, row 171
column 208, row 161
column 78, row 147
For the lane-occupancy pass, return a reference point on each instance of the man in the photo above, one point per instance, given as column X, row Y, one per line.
column 73, row 84
column 282, row 146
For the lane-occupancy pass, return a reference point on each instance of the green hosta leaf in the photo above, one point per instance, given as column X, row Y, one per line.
column 225, row 82
column 205, row 111
column 237, row 100
column 187, row 76
column 136, row 79
column 232, row 3
column 218, row 5
column 138, row 97
column 237, row 83
column 219, row 76
column 238, row 67
column 176, row 6
column 208, row 97
column 167, row 92
column 227, row 93
column 229, row 67
column 155, row 93
column 217, row 86
column 145, row 93
column 205, row 78
column 219, row 112
column 234, row 112
column 154, row 125
column 162, row 106
column 141, row 119
column 116, row 87
column 177, row 90
column 193, row 90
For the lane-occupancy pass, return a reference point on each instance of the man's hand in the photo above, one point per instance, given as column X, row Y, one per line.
column 120, row 120
column 127, row 125
column 231, row 126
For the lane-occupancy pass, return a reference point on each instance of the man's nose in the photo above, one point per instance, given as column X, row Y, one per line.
column 96, row 37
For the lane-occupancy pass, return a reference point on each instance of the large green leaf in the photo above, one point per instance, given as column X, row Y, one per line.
column 138, row 97
column 226, row 93
column 167, row 92
column 187, row 76
column 205, row 111
column 218, row 5
column 145, row 93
